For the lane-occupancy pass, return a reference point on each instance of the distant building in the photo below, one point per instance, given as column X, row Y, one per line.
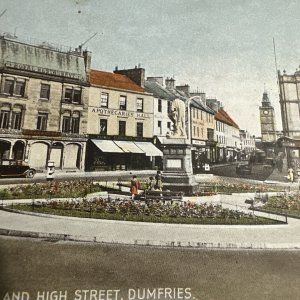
column 43, row 104
column 267, row 121
column 228, row 134
column 247, row 143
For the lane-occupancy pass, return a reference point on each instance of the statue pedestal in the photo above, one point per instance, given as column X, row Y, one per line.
column 177, row 166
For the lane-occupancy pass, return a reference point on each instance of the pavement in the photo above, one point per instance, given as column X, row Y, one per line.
column 283, row 236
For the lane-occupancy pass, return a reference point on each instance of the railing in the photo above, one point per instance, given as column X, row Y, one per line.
column 39, row 43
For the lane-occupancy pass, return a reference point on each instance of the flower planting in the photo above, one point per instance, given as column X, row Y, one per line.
column 54, row 189
column 288, row 204
column 151, row 211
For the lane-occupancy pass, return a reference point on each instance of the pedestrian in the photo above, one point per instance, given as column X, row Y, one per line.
column 134, row 187
column 291, row 174
column 158, row 181
column 151, row 184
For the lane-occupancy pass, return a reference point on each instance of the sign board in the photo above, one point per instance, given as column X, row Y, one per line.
column 198, row 143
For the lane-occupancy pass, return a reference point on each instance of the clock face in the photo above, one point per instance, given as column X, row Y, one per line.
column 266, row 112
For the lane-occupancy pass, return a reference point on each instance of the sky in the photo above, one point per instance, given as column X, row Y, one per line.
column 221, row 47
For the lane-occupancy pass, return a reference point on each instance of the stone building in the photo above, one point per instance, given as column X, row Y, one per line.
column 228, row 134
column 267, row 121
column 289, row 89
column 202, row 127
column 120, row 122
column 247, row 143
column 43, row 104
column 162, row 124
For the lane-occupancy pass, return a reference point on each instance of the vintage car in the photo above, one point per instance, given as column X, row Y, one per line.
column 244, row 167
column 15, row 168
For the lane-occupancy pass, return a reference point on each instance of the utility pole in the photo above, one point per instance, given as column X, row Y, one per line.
column 3, row 13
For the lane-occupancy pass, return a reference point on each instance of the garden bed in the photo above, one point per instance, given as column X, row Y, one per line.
column 53, row 189
column 285, row 204
column 156, row 212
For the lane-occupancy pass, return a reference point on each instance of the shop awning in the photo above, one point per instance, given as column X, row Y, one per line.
column 107, row 146
column 129, row 147
column 149, row 149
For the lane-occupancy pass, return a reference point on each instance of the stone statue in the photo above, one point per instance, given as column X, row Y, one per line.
column 178, row 117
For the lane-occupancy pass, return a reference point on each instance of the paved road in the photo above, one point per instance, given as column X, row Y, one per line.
column 40, row 265
column 259, row 172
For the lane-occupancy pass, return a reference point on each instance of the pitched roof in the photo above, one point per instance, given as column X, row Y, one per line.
column 112, row 80
column 224, row 117
column 158, row 90
column 199, row 105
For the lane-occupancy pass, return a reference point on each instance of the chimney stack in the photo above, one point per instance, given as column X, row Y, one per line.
column 137, row 75
column 170, row 83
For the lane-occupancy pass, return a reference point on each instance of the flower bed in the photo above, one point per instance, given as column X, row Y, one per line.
column 285, row 204
column 185, row 213
column 240, row 188
column 53, row 189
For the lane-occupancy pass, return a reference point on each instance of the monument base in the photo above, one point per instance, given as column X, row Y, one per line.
column 178, row 172
column 180, row 182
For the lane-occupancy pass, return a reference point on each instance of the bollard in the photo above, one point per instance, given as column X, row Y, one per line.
column 50, row 170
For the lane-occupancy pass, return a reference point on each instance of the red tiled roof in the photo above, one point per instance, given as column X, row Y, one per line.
column 223, row 116
column 113, row 80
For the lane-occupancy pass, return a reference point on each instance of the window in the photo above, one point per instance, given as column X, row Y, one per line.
column 197, row 114
column 198, row 131
column 159, row 126
column 14, row 87
column 45, row 91
column 4, row 119
column 169, row 125
column 201, row 115
column 193, row 113
column 16, row 120
column 66, row 124
column 194, row 130
column 159, row 105
column 140, row 104
column 42, row 121
column 75, row 125
column 122, row 128
column 72, row 95
column 169, row 106
column 19, row 88
column 139, row 129
column 70, row 124
column 103, row 127
column 123, row 102
column 104, row 100
column 9, row 86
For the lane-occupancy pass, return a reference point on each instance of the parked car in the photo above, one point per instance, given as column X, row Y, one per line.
column 244, row 167
column 15, row 168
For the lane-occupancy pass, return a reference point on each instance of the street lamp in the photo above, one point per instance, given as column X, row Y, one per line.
column 189, row 124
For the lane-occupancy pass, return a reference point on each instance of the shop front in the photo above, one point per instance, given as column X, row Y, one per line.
column 110, row 155
column 200, row 155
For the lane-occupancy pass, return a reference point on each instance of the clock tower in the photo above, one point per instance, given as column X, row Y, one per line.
column 267, row 120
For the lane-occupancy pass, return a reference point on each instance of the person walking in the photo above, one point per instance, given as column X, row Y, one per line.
column 134, row 187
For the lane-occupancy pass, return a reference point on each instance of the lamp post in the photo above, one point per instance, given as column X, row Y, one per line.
column 189, row 124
